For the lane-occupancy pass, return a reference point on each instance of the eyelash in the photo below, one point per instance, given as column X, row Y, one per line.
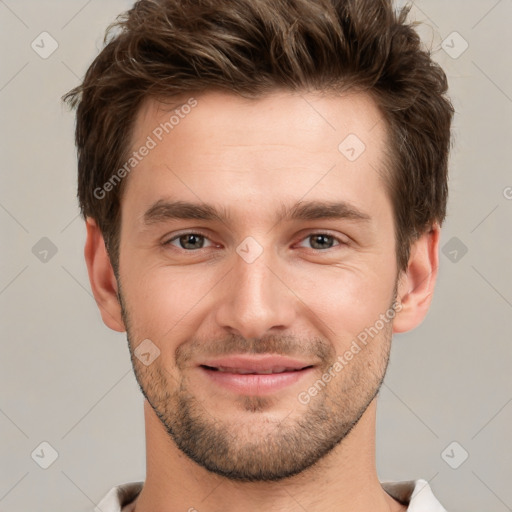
column 340, row 242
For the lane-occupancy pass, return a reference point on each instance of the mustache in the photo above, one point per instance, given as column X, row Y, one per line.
column 316, row 348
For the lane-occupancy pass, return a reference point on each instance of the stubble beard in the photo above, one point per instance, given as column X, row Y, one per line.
column 261, row 447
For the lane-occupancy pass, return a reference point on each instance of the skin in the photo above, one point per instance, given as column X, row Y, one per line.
column 249, row 158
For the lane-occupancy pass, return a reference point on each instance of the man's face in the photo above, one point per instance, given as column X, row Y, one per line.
column 287, row 259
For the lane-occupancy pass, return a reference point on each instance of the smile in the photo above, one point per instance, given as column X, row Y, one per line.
column 255, row 375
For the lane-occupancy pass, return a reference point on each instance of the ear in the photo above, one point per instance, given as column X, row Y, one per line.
column 102, row 277
column 416, row 284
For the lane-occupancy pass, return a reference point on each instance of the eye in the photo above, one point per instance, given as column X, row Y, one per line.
column 321, row 241
column 189, row 241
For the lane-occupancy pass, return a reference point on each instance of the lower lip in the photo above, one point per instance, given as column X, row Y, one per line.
column 252, row 384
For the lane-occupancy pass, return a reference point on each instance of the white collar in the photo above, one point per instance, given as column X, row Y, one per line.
column 416, row 493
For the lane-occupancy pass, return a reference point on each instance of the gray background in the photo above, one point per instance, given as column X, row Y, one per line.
column 66, row 379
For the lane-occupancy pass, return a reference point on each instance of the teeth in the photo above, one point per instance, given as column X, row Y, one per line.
column 240, row 371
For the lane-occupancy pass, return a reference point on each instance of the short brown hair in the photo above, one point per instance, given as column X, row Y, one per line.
column 165, row 48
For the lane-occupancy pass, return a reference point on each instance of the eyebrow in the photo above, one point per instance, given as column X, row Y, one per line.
column 164, row 210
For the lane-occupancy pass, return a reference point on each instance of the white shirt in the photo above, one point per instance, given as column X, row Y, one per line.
column 416, row 493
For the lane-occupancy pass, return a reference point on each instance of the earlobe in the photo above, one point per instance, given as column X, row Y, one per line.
column 102, row 277
column 416, row 285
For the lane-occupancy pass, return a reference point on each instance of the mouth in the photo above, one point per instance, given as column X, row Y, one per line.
column 242, row 371
column 255, row 375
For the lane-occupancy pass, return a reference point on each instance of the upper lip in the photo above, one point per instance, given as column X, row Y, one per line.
column 256, row 363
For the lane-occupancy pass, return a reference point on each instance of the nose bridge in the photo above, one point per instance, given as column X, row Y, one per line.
column 254, row 300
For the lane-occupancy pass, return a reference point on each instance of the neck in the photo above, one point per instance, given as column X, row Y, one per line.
column 344, row 480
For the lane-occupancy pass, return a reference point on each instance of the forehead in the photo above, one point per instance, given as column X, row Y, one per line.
column 280, row 117
column 283, row 145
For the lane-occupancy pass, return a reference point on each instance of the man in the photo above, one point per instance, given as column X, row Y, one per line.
column 263, row 183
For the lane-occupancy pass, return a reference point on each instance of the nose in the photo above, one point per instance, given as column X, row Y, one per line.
column 255, row 299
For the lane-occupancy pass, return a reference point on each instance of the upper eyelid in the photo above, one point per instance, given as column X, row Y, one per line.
column 339, row 239
column 179, row 235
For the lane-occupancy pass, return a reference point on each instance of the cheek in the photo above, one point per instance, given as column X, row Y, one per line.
column 347, row 300
column 164, row 302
